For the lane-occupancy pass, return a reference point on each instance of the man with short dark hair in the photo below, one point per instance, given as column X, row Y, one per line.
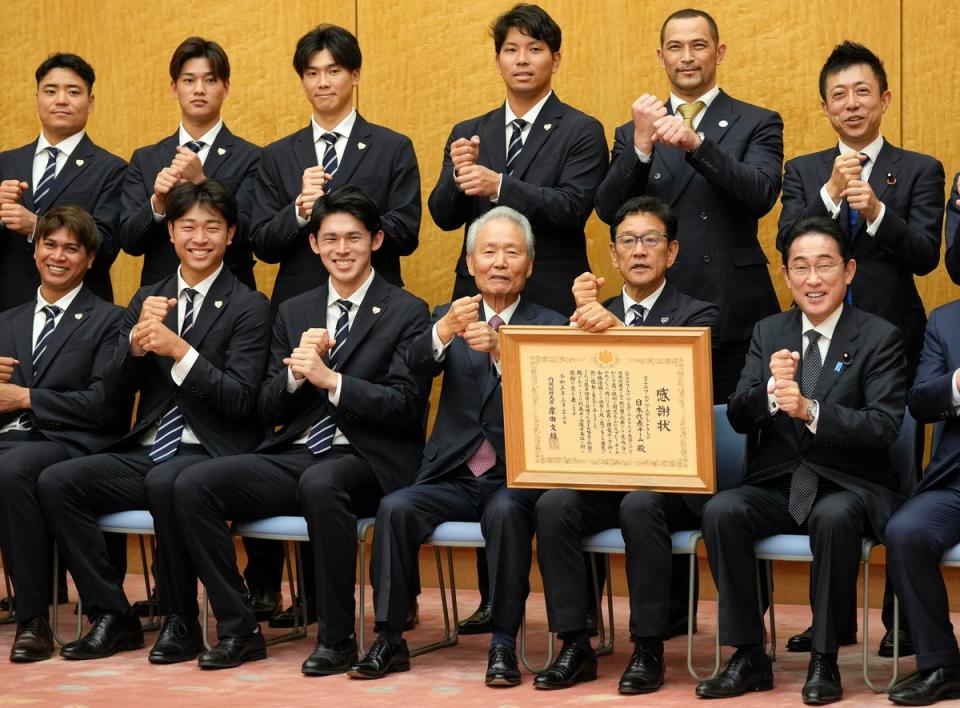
column 824, row 423
column 202, row 147
column 194, row 347
column 53, row 352
column 643, row 245
column 61, row 167
column 346, row 415
column 716, row 162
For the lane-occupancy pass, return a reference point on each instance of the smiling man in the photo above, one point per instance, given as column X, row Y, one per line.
column 202, row 147
column 61, row 167
column 823, row 423
column 194, row 347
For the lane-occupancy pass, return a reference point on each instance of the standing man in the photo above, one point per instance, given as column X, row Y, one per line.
column 61, row 167
column 53, row 352
column 202, row 147
column 534, row 154
column 194, row 346
column 338, row 147
column 824, row 424
column 347, row 416
column 716, row 162
column 643, row 244
column 462, row 473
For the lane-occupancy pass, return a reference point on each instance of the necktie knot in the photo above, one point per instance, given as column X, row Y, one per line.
column 195, row 145
column 189, row 293
column 345, row 306
column 689, row 111
column 51, row 311
column 639, row 312
column 330, row 138
column 519, row 124
column 496, row 322
column 53, row 152
column 813, row 336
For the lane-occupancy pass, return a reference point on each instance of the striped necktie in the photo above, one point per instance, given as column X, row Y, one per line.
column 51, row 312
column 516, row 142
column 804, row 481
column 195, row 145
column 639, row 312
column 46, row 180
column 330, row 162
column 485, row 456
column 171, row 425
column 320, row 437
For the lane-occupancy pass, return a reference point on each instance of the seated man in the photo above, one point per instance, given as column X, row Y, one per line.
column 644, row 244
column 825, row 423
column 194, row 346
column 53, row 351
column 929, row 523
column 349, row 415
column 462, row 474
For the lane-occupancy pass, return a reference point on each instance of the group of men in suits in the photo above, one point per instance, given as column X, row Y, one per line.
column 343, row 386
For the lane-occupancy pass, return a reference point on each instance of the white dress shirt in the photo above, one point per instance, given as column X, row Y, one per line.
column 872, row 151
column 41, row 156
column 509, row 116
column 647, row 303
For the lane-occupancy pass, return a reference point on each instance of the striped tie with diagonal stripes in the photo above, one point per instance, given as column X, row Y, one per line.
column 320, row 437
column 46, row 180
column 51, row 312
column 516, row 142
column 639, row 312
column 171, row 424
column 195, row 145
column 330, row 162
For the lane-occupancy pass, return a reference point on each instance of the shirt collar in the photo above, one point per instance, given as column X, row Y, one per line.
column 531, row 115
column 825, row 328
column 343, row 129
column 647, row 303
column 63, row 303
column 66, row 146
column 203, row 287
column 872, row 150
column 707, row 98
column 356, row 298
column 506, row 315
column 207, row 138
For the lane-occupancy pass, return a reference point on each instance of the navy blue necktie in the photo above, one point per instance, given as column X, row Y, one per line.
column 516, row 142
column 639, row 312
column 195, row 145
column 320, row 437
column 46, row 180
column 330, row 162
column 51, row 312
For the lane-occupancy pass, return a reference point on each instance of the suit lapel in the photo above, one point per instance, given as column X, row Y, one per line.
column 493, row 140
column 615, row 306
column 168, row 289
column 23, row 169
column 718, row 118
column 673, row 161
column 374, row 307
column 353, row 154
column 214, row 304
column 663, row 310
column 70, row 322
column 887, row 163
column 78, row 163
column 547, row 123
column 304, row 149
column 23, row 345
column 842, row 351
column 219, row 153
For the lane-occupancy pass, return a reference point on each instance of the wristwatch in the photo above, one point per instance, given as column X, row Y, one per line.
column 813, row 408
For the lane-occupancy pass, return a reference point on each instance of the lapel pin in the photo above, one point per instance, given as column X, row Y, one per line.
column 376, row 310
column 846, row 357
column 218, row 304
column 79, row 163
column 891, row 179
column 78, row 315
column 547, row 126
column 361, row 146
column 221, row 151
column 664, row 320
column 838, row 367
column 723, row 124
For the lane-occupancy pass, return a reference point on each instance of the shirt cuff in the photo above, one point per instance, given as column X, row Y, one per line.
column 954, row 392
column 642, row 156
column 772, row 406
column 439, row 348
column 496, row 197
column 180, row 370
column 874, row 226
column 301, row 222
column 335, row 396
column 156, row 216
column 293, row 384
column 832, row 208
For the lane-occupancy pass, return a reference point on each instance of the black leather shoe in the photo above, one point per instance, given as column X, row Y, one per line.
column 502, row 667
column 110, row 633
column 803, row 642
column 748, row 670
column 906, row 644
column 575, row 664
column 177, row 642
column 382, row 659
column 34, row 641
column 678, row 627
column 925, row 688
column 233, row 651
column 644, row 673
column 336, row 659
column 823, row 681
column 266, row 603
column 478, row 622
column 144, row 608
column 285, row 619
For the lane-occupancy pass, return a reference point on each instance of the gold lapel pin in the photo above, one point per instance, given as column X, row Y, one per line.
column 891, row 179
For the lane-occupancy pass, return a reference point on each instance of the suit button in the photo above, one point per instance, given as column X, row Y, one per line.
column 704, row 215
column 656, row 175
column 706, row 258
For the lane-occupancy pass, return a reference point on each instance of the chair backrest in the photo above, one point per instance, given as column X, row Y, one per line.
column 731, row 450
column 903, row 455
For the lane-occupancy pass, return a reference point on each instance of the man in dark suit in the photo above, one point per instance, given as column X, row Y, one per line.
column 927, row 525
column 462, row 473
column 338, row 147
column 194, row 346
column 53, row 352
column 643, row 245
column 952, row 257
column 716, row 162
column 61, row 167
column 202, row 147
column 534, row 153
column 890, row 203
column 349, row 418
column 825, row 423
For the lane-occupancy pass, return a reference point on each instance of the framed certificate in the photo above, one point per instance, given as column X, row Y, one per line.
column 630, row 408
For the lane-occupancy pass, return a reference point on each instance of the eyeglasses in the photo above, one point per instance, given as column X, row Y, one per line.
column 649, row 239
column 821, row 269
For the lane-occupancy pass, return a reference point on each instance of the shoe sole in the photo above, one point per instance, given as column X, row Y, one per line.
column 326, row 672
column 763, row 686
column 160, row 659
column 124, row 646
column 257, row 656
column 502, row 682
column 822, row 702
column 635, row 691
column 581, row 678
column 399, row 667
column 952, row 695
column 23, row 659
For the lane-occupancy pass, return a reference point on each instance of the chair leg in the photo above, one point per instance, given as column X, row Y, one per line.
column 768, row 569
column 691, row 619
column 55, row 614
column 523, row 649
column 451, row 635
column 205, row 620
column 10, row 617
column 604, row 645
column 299, row 630
column 362, row 629
column 153, row 618
column 866, row 635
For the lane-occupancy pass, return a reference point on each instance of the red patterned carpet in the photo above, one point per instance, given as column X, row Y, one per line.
column 449, row 677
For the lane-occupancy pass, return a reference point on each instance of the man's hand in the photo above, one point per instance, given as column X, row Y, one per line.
column 481, row 337
column 860, row 196
column 594, row 317
column 306, row 362
column 957, row 202
column 462, row 312
column 154, row 308
column 646, row 111
column 7, row 365
column 671, row 131
column 11, row 191
column 188, row 164
column 586, row 288
column 18, row 218
column 783, row 365
column 478, row 181
column 13, row 398
column 154, row 336
column 464, row 152
column 846, row 166
column 167, row 179
column 312, row 187
column 790, row 400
